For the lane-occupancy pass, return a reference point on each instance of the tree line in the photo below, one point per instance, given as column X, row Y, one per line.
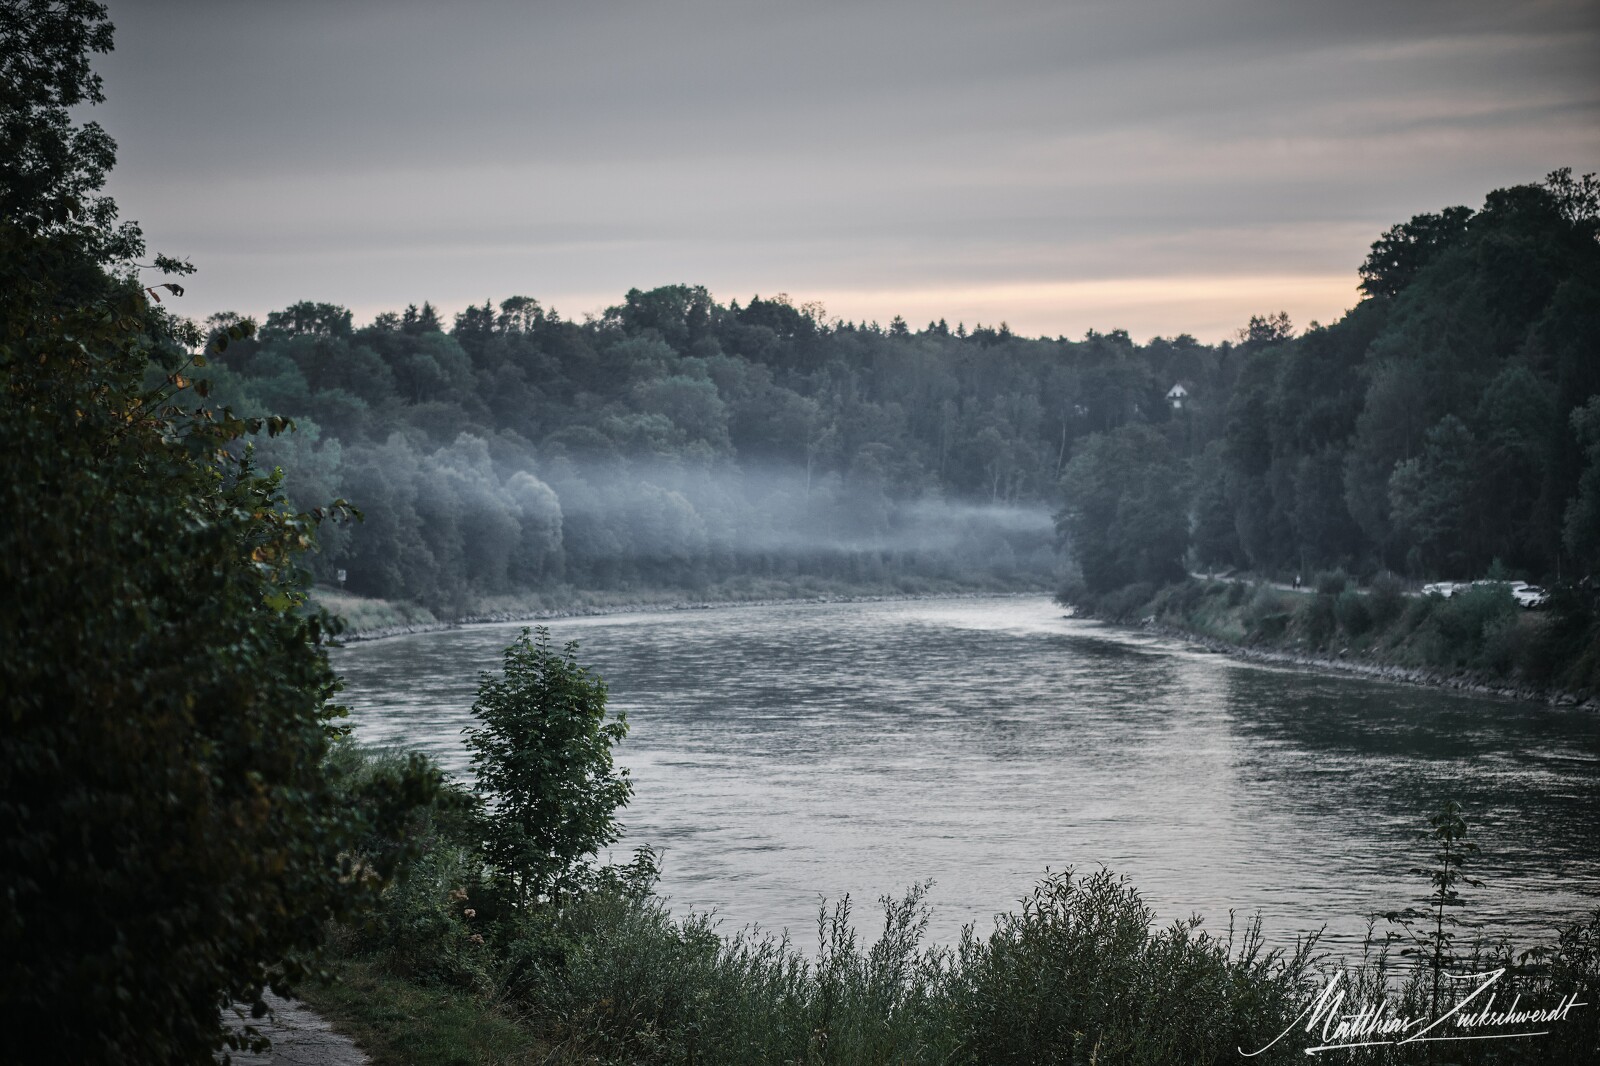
column 674, row 440
column 1446, row 424
column 1443, row 423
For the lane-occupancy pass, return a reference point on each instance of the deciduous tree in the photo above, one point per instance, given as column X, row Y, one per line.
column 542, row 756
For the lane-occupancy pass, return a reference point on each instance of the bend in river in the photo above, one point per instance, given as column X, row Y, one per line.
column 786, row 754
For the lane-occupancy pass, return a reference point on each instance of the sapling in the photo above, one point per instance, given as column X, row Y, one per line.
column 543, row 761
column 1429, row 933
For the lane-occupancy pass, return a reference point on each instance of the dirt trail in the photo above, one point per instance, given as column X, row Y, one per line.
column 300, row 1037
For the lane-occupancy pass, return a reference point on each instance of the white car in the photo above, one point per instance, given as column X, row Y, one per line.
column 1444, row 588
column 1528, row 595
column 1525, row 594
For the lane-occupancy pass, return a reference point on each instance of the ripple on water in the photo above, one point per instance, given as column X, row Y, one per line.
column 788, row 753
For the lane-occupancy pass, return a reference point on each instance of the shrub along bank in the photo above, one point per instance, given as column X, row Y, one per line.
column 1478, row 637
column 503, row 942
column 1082, row 973
column 454, row 970
column 502, row 912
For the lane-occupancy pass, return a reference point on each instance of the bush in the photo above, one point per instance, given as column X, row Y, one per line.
column 1266, row 601
column 1072, row 591
column 1565, row 647
column 1269, row 613
column 1188, row 594
column 1126, row 604
column 1317, row 619
column 1418, row 610
column 1574, row 967
column 1463, row 618
column 1387, row 601
column 433, row 923
column 1331, row 582
column 1080, row 974
column 1177, row 601
column 1504, row 644
column 1354, row 612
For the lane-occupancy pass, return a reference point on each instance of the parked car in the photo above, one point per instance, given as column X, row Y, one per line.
column 1529, row 595
column 1525, row 594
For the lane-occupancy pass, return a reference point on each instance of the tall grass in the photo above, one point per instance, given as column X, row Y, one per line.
column 1080, row 973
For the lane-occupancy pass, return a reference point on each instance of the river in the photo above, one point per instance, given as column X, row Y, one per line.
column 786, row 754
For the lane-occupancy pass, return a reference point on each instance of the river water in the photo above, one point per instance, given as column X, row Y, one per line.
column 786, row 754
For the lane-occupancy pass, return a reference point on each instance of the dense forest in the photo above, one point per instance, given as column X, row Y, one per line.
column 672, row 441
column 1447, row 422
column 1450, row 420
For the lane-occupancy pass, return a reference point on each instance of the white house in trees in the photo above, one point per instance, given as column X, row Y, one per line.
column 1176, row 395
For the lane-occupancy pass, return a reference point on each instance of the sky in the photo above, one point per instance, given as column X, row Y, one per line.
column 1161, row 167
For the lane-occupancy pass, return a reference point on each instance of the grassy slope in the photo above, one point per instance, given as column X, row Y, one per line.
column 1477, row 639
column 399, row 1023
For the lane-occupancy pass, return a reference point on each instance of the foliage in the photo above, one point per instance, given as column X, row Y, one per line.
column 1124, row 516
column 170, row 833
column 1331, row 582
column 1354, row 612
column 1541, row 977
column 679, row 442
column 403, row 1022
column 1430, row 934
column 612, row 973
column 50, row 168
column 1386, row 601
column 1446, row 968
column 1400, row 254
column 1080, row 973
column 543, row 761
column 1319, row 618
column 1480, row 632
column 170, row 839
column 1465, row 618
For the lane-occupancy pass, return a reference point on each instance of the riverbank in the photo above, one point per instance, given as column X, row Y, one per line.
column 451, row 968
column 417, row 1022
column 1479, row 641
column 372, row 619
column 1460, row 682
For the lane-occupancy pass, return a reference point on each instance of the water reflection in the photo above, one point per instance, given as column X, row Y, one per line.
column 783, row 754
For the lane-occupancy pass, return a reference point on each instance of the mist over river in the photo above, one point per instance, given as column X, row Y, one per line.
column 783, row 754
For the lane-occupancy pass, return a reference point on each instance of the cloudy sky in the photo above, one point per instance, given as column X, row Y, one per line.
column 1161, row 167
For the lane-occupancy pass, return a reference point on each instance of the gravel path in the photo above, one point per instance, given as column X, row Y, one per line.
column 300, row 1037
